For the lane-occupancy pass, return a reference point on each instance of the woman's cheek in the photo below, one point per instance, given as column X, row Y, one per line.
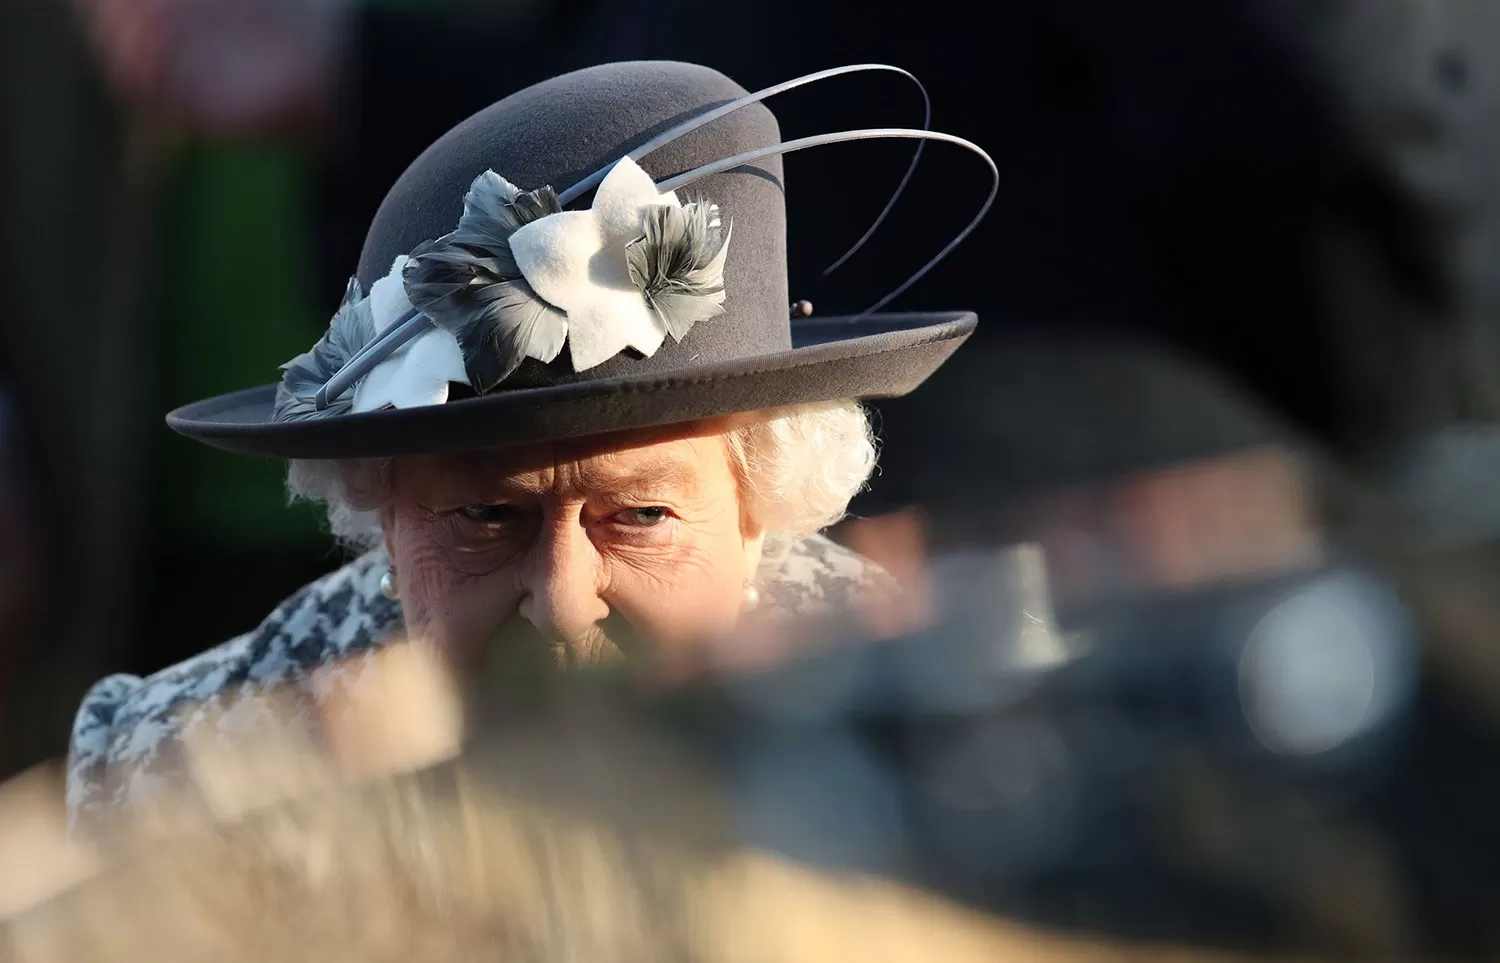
column 446, row 607
column 676, row 598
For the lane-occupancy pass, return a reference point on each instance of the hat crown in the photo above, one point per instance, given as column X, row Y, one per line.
column 561, row 130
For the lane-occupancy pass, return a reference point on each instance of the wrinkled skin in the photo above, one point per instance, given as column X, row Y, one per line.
column 579, row 550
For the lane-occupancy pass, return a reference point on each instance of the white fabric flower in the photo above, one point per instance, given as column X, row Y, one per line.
column 575, row 260
column 419, row 372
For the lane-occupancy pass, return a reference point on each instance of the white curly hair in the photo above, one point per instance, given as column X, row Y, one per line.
column 798, row 469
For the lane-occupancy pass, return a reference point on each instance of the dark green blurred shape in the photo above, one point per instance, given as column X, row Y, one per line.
column 238, row 309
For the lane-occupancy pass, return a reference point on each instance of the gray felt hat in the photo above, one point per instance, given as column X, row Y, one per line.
column 490, row 309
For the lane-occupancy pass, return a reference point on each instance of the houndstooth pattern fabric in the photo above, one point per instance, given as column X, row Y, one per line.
column 125, row 744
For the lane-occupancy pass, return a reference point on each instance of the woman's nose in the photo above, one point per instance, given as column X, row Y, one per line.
column 563, row 581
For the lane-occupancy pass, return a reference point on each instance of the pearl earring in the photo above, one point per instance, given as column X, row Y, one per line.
column 388, row 586
column 752, row 596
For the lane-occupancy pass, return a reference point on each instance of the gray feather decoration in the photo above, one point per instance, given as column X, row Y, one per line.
column 508, row 323
column 678, row 264
column 352, row 328
column 468, row 282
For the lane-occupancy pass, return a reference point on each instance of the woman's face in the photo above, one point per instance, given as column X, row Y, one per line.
column 577, row 550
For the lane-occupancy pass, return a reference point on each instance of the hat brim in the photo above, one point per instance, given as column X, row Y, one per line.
column 881, row 356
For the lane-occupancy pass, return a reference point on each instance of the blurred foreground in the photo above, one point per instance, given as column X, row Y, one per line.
column 1290, row 756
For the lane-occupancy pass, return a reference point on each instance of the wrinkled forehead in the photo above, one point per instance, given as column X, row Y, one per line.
column 678, row 458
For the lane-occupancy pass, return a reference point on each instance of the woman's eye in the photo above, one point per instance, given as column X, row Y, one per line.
column 491, row 514
column 641, row 517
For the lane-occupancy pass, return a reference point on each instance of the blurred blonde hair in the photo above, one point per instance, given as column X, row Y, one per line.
column 575, row 831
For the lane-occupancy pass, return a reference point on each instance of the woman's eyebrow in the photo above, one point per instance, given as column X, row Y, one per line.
column 666, row 474
column 590, row 476
column 492, row 477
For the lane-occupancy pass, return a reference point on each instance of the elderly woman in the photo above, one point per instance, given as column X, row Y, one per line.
column 594, row 425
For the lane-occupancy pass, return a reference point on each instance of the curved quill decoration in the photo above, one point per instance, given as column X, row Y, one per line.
column 765, row 93
column 678, row 264
column 352, row 328
column 840, row 137
column 468, row 282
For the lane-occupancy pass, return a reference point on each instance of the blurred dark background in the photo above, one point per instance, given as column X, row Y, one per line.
column 1297, row 199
